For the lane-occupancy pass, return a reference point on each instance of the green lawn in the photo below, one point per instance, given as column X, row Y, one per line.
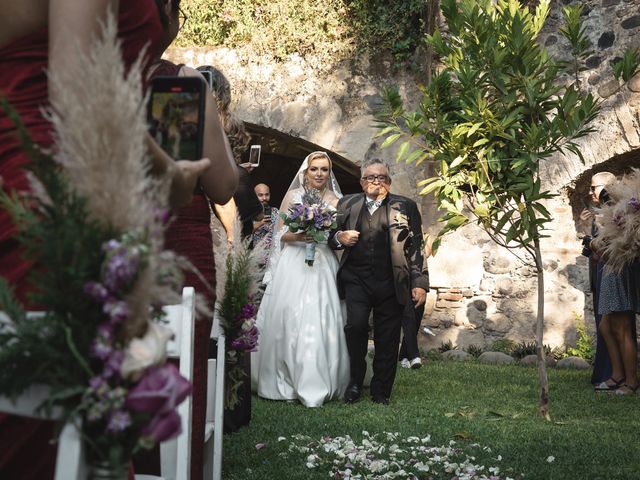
column 591, row 436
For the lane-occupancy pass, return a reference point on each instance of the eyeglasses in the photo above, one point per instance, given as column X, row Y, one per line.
column 182, row 18
column 592, row 188
column 373, row 178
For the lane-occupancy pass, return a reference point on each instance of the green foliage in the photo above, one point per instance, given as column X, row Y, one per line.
column 503, row 345
column 61, row 241
column 432, row 355
column 576, row 34
column 523, row 349
column 394, row 26
column 488, row 119
column 475, row 350
column 628, row 66
column 446, row 346
column 585, row 343
column 329, row 29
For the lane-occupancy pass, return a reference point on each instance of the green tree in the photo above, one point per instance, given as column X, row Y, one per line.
column 488, row 118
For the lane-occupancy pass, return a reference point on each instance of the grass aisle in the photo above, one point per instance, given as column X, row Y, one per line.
column 591, row 436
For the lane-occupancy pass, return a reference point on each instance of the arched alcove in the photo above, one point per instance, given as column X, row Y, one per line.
column 618, row 165
column 282, row 155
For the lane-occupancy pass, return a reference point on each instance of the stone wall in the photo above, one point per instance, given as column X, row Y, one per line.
column 480, row 293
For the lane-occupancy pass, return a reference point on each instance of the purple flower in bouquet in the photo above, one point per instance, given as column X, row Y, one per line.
column 121, row 268
column 119, row 420
column 163, row 427
column 248, row 311
column 160, row 390
column 97, row 291
column 248, row 339
column 101, row 347
column 117, row 310
column 634, row 203
column 112, row 365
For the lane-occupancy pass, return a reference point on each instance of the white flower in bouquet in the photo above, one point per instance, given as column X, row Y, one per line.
column 141, row 353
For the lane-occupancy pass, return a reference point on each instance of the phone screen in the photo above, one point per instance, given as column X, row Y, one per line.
column 176, row 115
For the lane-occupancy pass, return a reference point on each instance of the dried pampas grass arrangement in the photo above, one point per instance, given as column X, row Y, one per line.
column 619, row 223
column 98, row 114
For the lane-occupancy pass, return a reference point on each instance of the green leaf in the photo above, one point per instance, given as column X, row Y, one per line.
column 390, row 140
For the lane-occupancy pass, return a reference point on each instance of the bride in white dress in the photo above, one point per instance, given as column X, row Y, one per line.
column 302, row 353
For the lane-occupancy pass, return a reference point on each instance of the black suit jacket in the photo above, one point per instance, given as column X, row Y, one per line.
column 405, row 239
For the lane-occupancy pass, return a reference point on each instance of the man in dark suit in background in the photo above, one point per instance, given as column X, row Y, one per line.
column 380, row 270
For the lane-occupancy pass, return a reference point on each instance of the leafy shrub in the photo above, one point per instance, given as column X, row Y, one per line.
column 475, row 350
column 585, row 343
column 503, row 345
column 278, row 28
column 523, row 349
column 446, row 346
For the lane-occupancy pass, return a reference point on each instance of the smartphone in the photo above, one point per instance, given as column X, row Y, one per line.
column 254, row 157
column 176, row 115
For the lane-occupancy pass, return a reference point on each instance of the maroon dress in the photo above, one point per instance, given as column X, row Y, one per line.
column 25, row 452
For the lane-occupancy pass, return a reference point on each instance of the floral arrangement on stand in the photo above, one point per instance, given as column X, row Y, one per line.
column 239, row 270
column 619, row 223
column 313, row 217
column 93, row 227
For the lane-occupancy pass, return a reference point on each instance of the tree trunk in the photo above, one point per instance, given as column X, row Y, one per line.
column 430, row 20
column 542, row 361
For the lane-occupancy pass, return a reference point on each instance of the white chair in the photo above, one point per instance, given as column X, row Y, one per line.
column 175, row 454
column 70, row 459
column 215, row 407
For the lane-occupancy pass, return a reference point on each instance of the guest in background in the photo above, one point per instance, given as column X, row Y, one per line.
column 244, row 203
column 618, row 302
column 601, row 375
column 409, row 354
column 263, row 228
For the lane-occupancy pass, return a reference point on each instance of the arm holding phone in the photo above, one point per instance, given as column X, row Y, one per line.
column 220, row 180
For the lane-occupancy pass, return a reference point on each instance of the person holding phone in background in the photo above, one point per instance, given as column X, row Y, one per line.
column 263, row 228
column 601, row 364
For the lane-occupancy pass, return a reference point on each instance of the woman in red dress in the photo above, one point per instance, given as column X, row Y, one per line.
column 35, row 34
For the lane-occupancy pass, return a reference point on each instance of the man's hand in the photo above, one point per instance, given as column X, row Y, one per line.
column 348, row 238
column 419, row 296
column 586, row 219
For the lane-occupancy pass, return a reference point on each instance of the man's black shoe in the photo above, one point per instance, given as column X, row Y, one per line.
column 352, row 394
column 380, row 399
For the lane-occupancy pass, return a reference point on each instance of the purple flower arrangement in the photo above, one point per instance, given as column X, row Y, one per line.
column 246, row 339
column 134, row 407
column 313, row 217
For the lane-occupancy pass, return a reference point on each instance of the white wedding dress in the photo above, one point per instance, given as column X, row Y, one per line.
column 302, row 353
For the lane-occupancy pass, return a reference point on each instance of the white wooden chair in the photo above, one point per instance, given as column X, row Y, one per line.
column 215, row 407
column 175, row 454
column 70, row 460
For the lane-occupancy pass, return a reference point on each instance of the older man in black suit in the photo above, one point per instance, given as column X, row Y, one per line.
column 380, row 270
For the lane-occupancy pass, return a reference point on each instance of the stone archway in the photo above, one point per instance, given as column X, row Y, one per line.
column 282, row 155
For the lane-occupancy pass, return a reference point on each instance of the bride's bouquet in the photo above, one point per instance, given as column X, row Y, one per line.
column 313, row 217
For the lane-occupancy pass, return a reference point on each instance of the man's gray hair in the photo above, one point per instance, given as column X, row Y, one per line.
column 373, row 161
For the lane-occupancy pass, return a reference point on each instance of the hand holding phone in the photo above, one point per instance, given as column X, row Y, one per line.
column 176, row 115
column 254, row 157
